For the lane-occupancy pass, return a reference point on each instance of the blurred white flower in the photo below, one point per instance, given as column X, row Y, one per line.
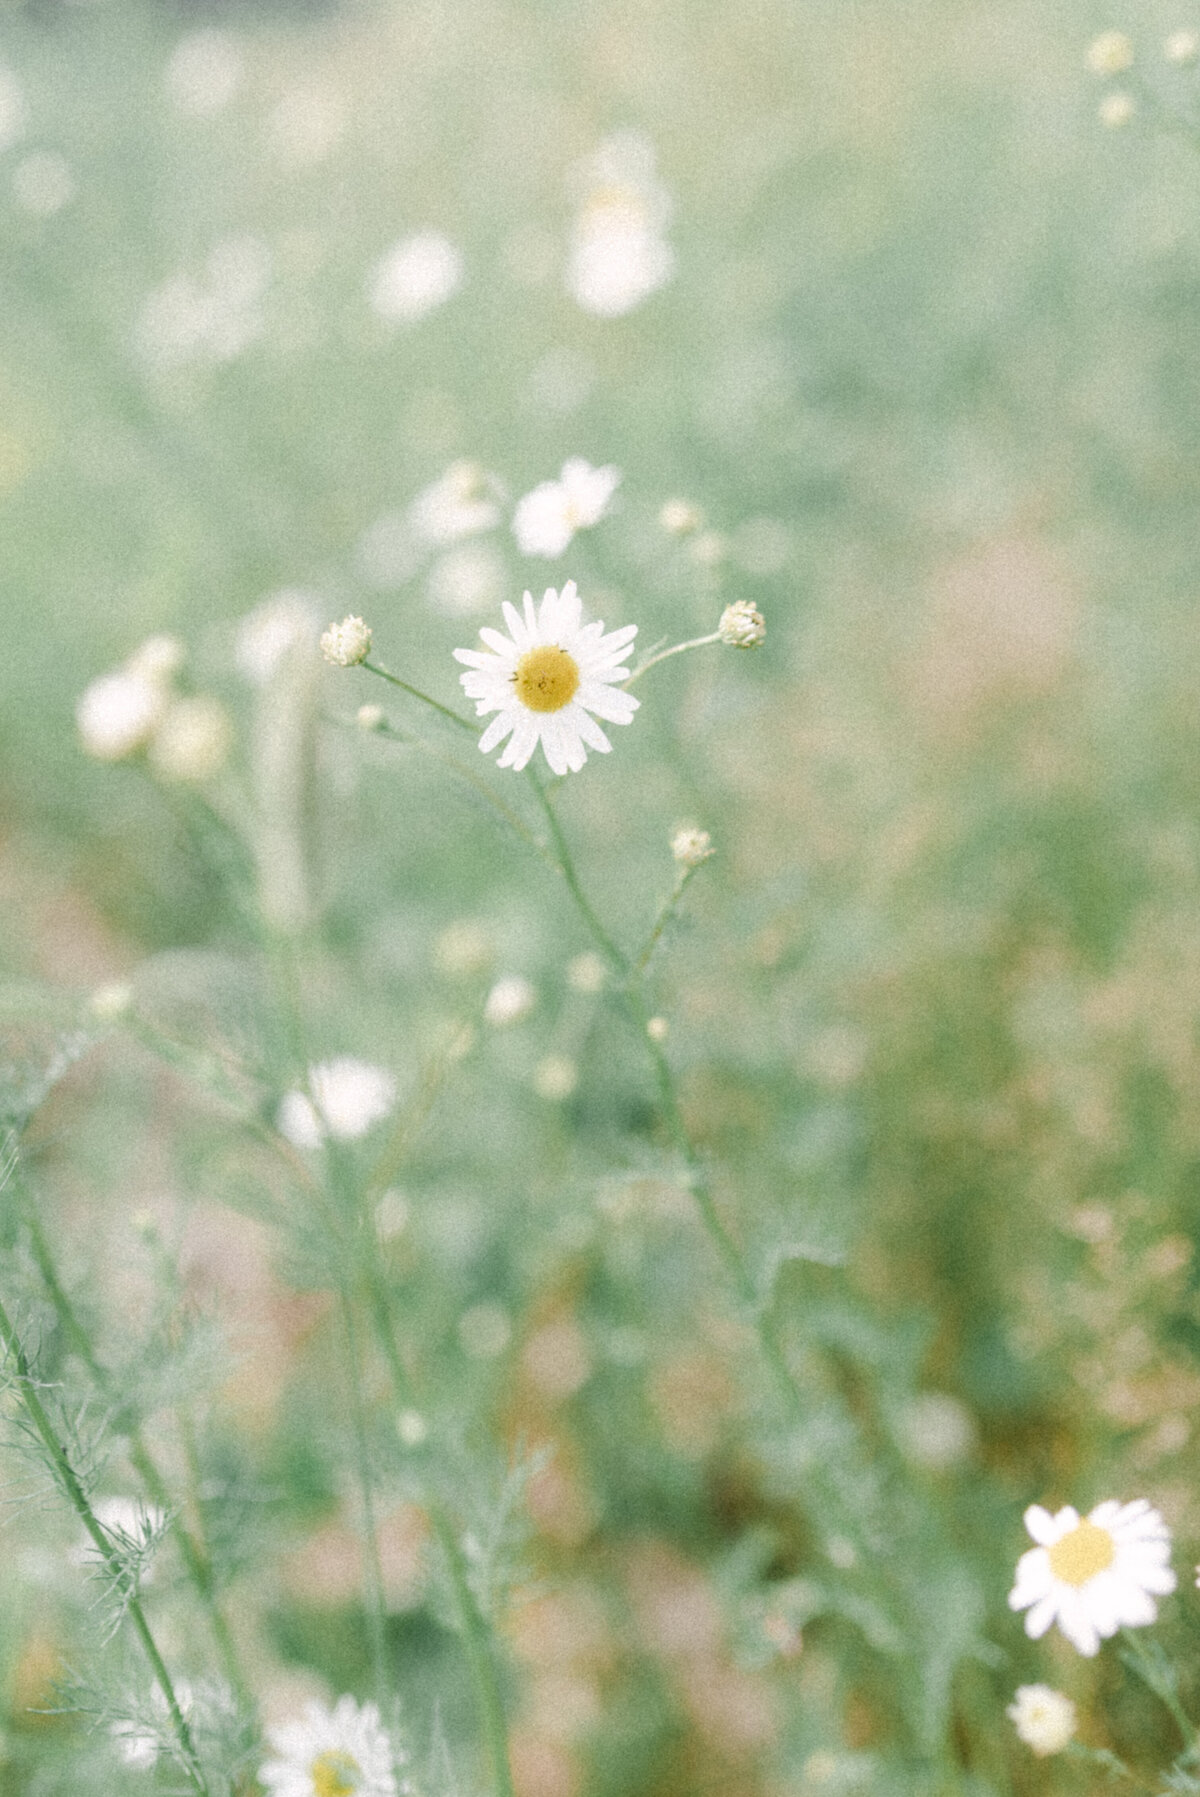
column 463, row 948
column 193, row 741
column 547, row 518
column 690, row 845
column 459, row 503
column 508, row 1001
column 304, row 127
column 13, row 116
column 118, row 713
column 345, row 1099
column 618, row 254
column 1110, row 54
column 1093, row 1575
column 548, row 681
column 587, row 973
column 679, row 517
column 204, row 72
column 415, row 277
column 936, row 1430
column 43, row 183
column 555, row 1078
column 279, row 623
column 1043, row 1718
column 1116, row 110
column 158, row 658
column 386, row 552
column 210, row 319
column 343, row 1752
column 1182, row 47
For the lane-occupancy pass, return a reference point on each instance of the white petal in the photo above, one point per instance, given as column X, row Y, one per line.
column 613, row 707
column 1134, row 1609
column 499, row 644
column 1041, row 1616
column 589, row 730
column 516, row 626
column 1033, row 1578
column 496, row 731
column 1077, row 1625
column 474, row 658
column 522, row 743
column 554, row 748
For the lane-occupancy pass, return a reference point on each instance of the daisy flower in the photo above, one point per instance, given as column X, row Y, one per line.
column 343, row 1752
column 548, row 517
column 1043, row 1718
column 348, row 1098
column 546, row 679
column 1093, row 1575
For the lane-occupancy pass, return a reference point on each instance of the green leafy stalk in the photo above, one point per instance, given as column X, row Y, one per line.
column 72, row 1488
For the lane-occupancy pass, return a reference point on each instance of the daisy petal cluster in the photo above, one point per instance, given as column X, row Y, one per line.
column 1095, row 1574
column 619, row 254
column 348, row 1098
column 343, row 1752
column 547, row 518
column 548, row 681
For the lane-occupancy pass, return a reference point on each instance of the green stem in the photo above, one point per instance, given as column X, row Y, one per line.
column 479, row 785
column 663, row 919
column 696, row 642
column 193, row 1552
column 414, row 692
column 566, row 867
column 489, row 1699
column 1159, row 1681
column 70, row 1484
column 376, row 1608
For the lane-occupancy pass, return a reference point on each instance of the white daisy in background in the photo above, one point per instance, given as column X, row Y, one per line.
column 1043, row 1718
column 546, row 679
column 345, row 1099
column 619, row 254
column 459, row 503
column 1093, row 1575
column 417, row 275
column 343, row 1752
column 546, row 519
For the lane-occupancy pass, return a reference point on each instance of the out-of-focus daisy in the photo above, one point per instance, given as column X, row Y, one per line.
column 284, row 621
column 118, row 714
column 348, row 1098
column 343, row 1752
column 619, row 255
column 415, row 277
column 204, row 72
column 548, row 681
column 1093, row 1575
column 1043, row 1718
column 547, row 519
column 460, row 503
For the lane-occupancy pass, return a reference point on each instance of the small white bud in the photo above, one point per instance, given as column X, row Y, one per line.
column 347, row 643
column 658, row 1029
column 1043, row 1718
column 1110, row 54
column 193, row 741
column 690, row 845
column 679, row 517
column 412, row 1428
column 555, row 1078
column 586, row 973
column 508, row 1001
column 1116, row 110
column 1182, row 47
column 708, row 548
column 742, row 625
column 369, row 718
column 112, row 1000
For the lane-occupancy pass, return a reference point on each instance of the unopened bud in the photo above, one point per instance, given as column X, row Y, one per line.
column 1110, row 54
column 369, row 718
column 658, row 1029
column 679, row 517
column 742, row 625
column 1116, row 110
column 1182, row 47
column 690, row 845
column 347, row 643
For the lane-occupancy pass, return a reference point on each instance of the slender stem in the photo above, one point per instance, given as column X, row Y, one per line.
column 376, row 1609
column 414, row 692
column 566, row 868
column 70, row 1484
column 489, row 1698
column 193, row 1552
column 652, row 661
column 460, row 768
column 662, row 920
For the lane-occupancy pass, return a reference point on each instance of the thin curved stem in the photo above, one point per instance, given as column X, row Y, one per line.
column 566, row 867
column 505, row 812
column 72, row 1488
column 376, row 1605
column 652, row 661
column 664, row 917
column 414, row 692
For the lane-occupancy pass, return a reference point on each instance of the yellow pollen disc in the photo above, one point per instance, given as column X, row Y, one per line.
column 335, row 1774
column 1083, row 1553
column 546, row 679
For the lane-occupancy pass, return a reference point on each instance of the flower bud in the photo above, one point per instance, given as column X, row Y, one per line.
column 690, row 845
column 1182, row 47
column 1116, row 110
column 1110, row 54
column 679, row 517
column 369, row 718
column 347, row 643
column 742, row 625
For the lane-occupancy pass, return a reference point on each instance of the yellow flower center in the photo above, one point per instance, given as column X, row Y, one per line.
column 1079, row 1556
column 546, row 679
column 335, row 1774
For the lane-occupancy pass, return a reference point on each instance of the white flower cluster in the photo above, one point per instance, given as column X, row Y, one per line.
column 619, row 254
column 345, row 1099
column 547, row 518
column 187, row 738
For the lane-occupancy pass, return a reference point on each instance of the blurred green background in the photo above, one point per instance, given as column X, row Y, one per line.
column 930, row 365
